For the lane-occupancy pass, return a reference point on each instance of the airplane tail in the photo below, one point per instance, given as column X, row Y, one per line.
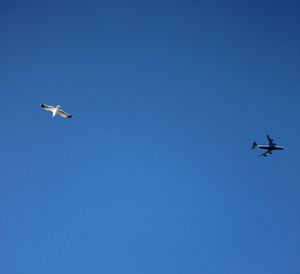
column 254, row 145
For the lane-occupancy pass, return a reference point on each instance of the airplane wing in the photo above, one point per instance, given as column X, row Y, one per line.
column 265, row 154
column 271, row 143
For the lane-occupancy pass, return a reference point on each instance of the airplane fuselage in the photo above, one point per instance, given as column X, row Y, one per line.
column 270, row 147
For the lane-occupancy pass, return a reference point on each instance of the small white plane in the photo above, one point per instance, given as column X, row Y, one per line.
column 56, row 110
column 272, row 146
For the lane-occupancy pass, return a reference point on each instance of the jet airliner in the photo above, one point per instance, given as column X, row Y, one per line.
column 272, row 146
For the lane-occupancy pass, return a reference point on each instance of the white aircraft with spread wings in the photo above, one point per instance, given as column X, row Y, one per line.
column 272, row 146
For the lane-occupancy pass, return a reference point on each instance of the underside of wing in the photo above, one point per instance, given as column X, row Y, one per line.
column 46, row 107
column 265, row 154
column 64, row 114
column 271, row 143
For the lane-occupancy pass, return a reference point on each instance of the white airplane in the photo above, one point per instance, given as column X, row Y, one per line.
column 272, row 146
column 56, row 110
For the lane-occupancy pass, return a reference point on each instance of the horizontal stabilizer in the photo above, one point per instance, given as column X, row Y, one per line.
column 254, row 145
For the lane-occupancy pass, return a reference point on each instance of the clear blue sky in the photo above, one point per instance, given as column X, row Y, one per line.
column 154, row 174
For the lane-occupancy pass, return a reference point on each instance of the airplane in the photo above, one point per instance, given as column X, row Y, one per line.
column 272, row 146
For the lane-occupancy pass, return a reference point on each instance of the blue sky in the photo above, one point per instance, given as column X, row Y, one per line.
column 154, row 174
